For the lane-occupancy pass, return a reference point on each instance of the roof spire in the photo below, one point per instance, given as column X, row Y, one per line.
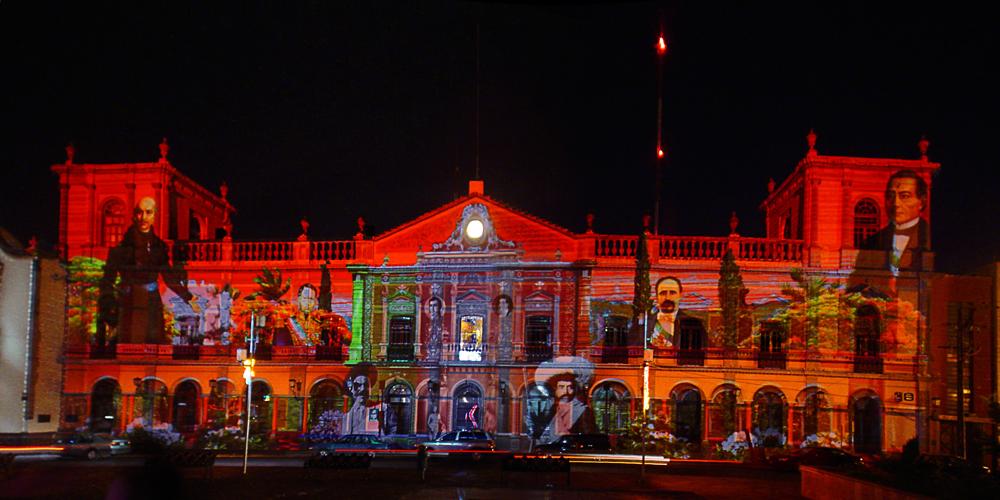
column 812, row 142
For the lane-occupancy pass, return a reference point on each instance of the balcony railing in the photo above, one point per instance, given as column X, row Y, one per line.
column 772, row 360
column 618, row 355
column 329, row 353
column 868, row 364
column 186, row 352
column 98, row 351
column 691, row 357
column 399, row 353
column 537, row 353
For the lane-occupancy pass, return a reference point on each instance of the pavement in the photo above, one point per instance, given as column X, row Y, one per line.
column 393, row 478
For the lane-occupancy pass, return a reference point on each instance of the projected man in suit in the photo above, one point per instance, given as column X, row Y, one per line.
column 669, row 317
column 907, row 234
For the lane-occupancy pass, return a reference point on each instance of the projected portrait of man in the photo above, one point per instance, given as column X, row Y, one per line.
column 569, row 377
column 133, row 307
column 668, row 298
column 907, row 234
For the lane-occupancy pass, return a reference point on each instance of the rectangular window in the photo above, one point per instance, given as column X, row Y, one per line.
column 471, row 348
column 772, row 334
column 537, row 338
column 401, row 338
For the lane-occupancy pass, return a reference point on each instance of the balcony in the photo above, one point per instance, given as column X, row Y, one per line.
column 867, row 364
column 691, row 357
column 615, row 355
column 98, row 351
column 399, row 353
column 329, row 353
column 185, row 353
column 771, row 360
column 537, row 353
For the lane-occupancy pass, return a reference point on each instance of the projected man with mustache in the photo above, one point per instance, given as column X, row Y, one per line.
column 668, row 298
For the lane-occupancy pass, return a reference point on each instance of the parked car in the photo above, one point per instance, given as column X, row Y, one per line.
column 818, row 456
column 467, row 442
column 954, row 466
column 351, row 442
column 92, row 446
column 577, row 443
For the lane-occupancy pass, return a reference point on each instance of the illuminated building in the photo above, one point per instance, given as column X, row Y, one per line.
column 468, row 315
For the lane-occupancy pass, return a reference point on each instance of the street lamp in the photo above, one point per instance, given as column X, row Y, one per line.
column 247, row 358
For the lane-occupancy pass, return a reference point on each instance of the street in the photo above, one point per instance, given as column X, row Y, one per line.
column 274, row 477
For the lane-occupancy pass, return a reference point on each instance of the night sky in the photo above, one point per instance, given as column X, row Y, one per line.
column 335, row 111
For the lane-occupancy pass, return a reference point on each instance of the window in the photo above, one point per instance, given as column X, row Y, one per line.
column 537, row 338
column 223, row 410
column 866, row 215
column 611, row 403
column 537, row 409
column 471, row 348
column 186, row 406
column 867, row 340
column 690, row 342
column 772, row 335
column 815, row 415
column 959, row 318
column 615, row 340
column 400, row 398
column 468, row 407
column 194, row 228
column 401, row 338
column 112, row 223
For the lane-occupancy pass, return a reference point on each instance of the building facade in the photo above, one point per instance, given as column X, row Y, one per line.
column 477, row 315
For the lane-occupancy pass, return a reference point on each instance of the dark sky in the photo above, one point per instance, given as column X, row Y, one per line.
column 337, row 111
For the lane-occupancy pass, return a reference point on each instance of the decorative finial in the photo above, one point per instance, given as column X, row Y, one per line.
column 164, row 149
column 645, row 223
column 590, row 223
column 361, row 229
column 70, row 152
column 32, row 244
column 923, row 147
column 224, row 189
column 558, row 255
column 770, row 186
column 305, row 229
column 812, row 142
column 385, row 260
column 733, row 221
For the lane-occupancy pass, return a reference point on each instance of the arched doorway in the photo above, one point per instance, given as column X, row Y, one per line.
column 400, row 399
column 468, row 407
column 687, row 415
column 326, row 407
column 152, row 402
column 538, row 410
column 105, row 406
column 260, row 407
column 611, row 403
column 223, row 405
column 867, row 425
column 186, row 406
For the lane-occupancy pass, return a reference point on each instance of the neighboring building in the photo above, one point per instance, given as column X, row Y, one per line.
column 32, row 318
column 478, row 315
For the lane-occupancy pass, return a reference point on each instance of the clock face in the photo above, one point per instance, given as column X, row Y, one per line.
column 474, row 229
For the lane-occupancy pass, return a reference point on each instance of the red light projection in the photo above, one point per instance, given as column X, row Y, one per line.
column 661, row 48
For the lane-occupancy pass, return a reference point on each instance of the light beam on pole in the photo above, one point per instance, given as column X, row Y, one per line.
column 661, row 49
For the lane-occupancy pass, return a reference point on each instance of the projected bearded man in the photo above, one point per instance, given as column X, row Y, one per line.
column 907, row 234
column 133, row 305
column 569, row 377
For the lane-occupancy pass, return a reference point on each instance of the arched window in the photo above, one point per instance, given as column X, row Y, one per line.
column 223, row 409
column 866, row 215
column 260, row 408
column 152, row 402
column 611, row 403
column 867, row 425
column 399, row 420
column 105, row 405
column 112, row 222
column 468, row 407
column 815, row 415
column 769, row 412
column 326, row 408
column 186, row 406
column 724, row 419
column 687, row 416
